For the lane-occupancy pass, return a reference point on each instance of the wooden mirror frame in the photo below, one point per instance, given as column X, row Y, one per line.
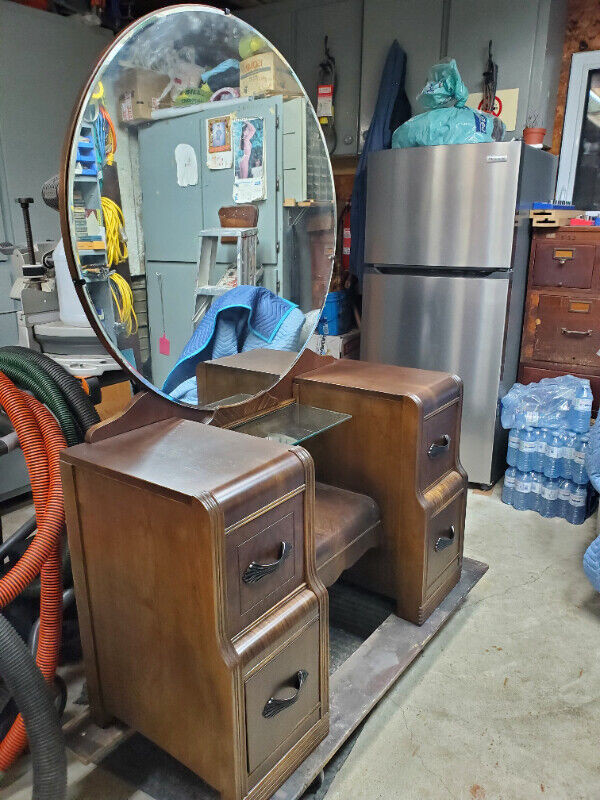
column 263, row 399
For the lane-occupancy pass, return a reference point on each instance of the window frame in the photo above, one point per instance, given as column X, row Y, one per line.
column 581, row 64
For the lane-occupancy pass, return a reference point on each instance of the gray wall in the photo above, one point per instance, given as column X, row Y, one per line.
column 298, row 29
column 527, row 45
column 418, row 26
column 44, row 60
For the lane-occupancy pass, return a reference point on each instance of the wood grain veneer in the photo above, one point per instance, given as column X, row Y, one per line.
column 147, row 514
column 561, row 323
column 383, row 452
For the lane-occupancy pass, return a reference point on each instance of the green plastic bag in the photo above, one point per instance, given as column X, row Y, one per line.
column 444, row 87
column 448, row 121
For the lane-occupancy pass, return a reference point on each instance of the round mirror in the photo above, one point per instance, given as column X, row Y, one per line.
column 198, row 207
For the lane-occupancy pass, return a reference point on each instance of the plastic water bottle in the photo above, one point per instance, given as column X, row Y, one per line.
column 549, row 497
column 513, row 447
column 568, row 453
column 509, row 404
column 527, row 448
column 579, row 472
column 581, row 408
column 540, row 449
column 553, row 459
column 507, row 415
column 537, row 479
column 508, row 488
column 527, row 414
column 577, row 505
column 565, row 486
column 522, row 491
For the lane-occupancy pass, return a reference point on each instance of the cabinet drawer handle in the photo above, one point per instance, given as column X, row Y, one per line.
column 567, row 332
column 255, row 572
column 273, row 705
column 439, row 446
column 445, row 541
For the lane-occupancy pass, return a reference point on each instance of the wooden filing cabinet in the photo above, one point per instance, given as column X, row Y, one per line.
column 561, row 328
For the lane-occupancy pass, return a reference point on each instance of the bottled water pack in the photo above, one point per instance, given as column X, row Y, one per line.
column 548, row 443
column 550, row 497
column 555, row 452
column 563, row 402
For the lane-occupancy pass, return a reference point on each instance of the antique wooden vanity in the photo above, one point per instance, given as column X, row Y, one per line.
column 209, row 549
column 204, row 538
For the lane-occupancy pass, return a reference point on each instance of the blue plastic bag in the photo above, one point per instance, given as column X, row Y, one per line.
column 448, row 121
column 592, row 456
column 591, row 563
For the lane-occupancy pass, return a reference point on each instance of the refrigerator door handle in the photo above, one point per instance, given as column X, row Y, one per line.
column 439, row 446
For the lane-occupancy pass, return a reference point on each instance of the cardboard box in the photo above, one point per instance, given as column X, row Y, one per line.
column 553, row 217
column 345, row 346
column 138, row 92
column 265, row 74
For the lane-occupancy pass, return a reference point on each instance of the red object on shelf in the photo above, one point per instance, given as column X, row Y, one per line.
column 576, row 222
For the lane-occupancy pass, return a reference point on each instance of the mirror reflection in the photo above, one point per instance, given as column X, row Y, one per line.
column 201, row 206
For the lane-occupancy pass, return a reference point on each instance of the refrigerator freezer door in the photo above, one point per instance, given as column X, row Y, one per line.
column 450, row 324
column 450, row 206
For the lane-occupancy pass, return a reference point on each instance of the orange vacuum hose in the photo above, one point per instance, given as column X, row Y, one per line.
column 41, row 440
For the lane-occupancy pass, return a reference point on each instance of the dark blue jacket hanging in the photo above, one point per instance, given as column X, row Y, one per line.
column 392, row 109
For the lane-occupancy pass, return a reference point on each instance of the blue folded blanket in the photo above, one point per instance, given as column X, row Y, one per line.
column 244, row 318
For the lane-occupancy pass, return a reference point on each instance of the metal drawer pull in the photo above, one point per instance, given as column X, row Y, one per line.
column 255, row 572
column 567, row 332
column 439, row 446
column 445, row 541
column 273, row 705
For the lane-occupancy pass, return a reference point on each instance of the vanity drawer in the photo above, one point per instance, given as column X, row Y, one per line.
column 264, row 558
column 444, row 536
column 570, row 266
column 282, row 698
column 440, row 439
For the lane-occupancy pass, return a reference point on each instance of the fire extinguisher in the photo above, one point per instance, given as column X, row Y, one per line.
column 346, row 237
column 326, row 98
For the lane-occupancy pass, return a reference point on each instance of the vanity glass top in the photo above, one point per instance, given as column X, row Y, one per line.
column 293, row 423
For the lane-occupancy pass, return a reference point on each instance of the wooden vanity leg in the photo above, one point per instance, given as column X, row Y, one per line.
column 100, row 715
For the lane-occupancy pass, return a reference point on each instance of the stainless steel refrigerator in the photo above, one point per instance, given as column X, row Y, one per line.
column 447, row 240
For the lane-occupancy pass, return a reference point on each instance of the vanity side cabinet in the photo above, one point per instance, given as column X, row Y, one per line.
column 561, row 324
column 161, row 522
column 400, row 448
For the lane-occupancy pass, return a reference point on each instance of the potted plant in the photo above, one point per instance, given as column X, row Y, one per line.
column 532, row 134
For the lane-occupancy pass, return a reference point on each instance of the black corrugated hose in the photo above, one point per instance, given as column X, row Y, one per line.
column 26, row 375
column 78, row 401
column 30, row 692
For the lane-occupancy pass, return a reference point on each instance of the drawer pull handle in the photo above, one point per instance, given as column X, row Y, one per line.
column 439, row 446
column 255, row 572
column 567, row 332
column 274, row 705
column 445, row 541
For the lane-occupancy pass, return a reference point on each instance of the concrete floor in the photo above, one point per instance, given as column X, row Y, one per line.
column 503, row 704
